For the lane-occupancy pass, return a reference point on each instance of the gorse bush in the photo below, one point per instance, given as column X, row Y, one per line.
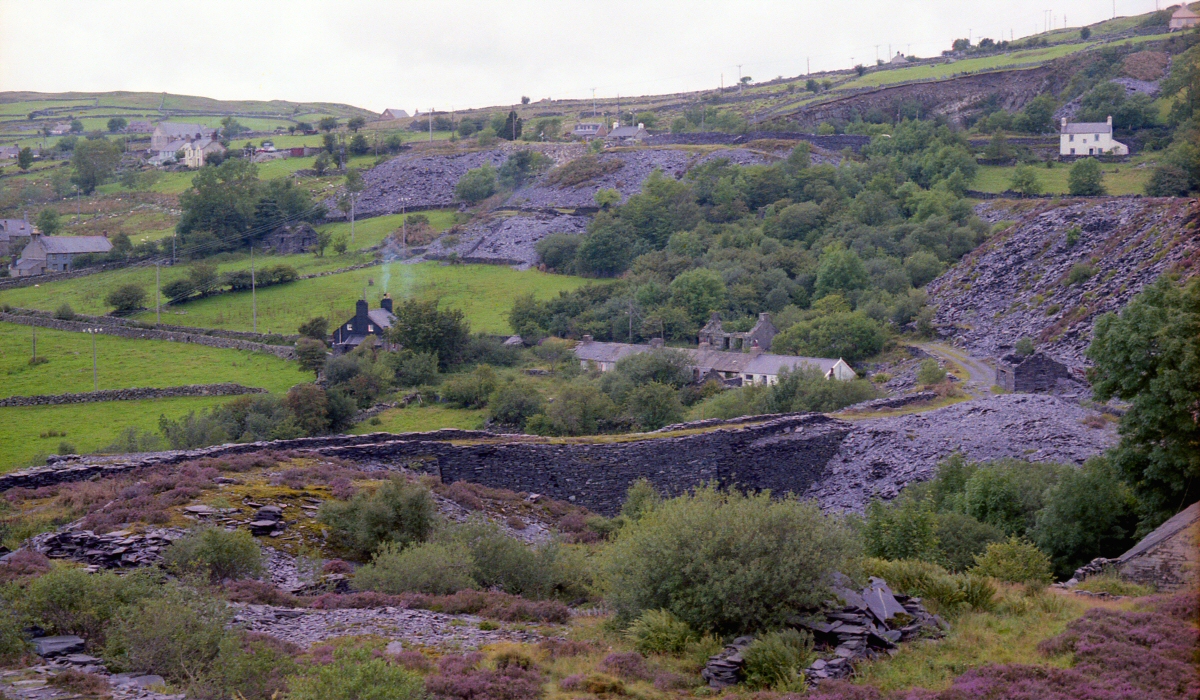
column 396, row 511
column 215, row 553
column 930, row 372
column 176, row 633
column 1015, row 561
column 725, row 562
column 355, row 674
column 660, row 632
column 69, row 600
column 428, row 567
column 774, row 660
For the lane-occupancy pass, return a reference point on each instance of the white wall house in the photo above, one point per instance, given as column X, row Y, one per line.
column 1089, row 139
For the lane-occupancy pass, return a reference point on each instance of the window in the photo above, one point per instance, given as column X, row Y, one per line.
column 1072, row 151
column 370, row 328
column 1071, row 137
column 349, row 326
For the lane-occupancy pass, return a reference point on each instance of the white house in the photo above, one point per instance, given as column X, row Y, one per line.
column 194, row 152
column 1089, row 139
column 1183, row 18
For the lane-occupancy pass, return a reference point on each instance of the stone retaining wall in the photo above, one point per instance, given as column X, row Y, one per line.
column 134, row 394
column 785, row 454
column 285, row 352
column 832, row 142
column 15, row 282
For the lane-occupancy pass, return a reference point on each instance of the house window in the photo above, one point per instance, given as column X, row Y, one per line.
column 1072, row 151
column 349, row 326
column 1071, row 137
column 370, row 328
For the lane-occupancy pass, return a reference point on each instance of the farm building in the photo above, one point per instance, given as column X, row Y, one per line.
column 714, row 336
column 167, row 133
column 390, row 114
column 1032, row 373
column 291, row 239
column 1168, row 557
column 1183, row 18
column 627, row 134
column 56, row 253
column 1089, row 139
column 366, row 322
column 588, row 131
column 15, row 231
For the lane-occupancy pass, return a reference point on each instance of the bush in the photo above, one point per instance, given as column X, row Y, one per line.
column 725, row 562
column 930, row 372
column 660, row 632
column 1008, row 493
column 396, row 511
column 1086, row 178
column 126, row 298
column 253, row 666
column 64, row 313
column 653, row 405
column 1014, row 561
column 428, row 567
column 806, row 389
column 216, row 554
column 355, row 674
column 629, row 665
column 640, row 498
column 515, row 678
column 412, row 368
column 12, row 635
column 774, row 660
column 515, row 402
column 850, row 336
column 1024, row 346
column 470, row 390
column 903, row 529
column 476, row 184
column 1089, row 513
column 176, row 634
column 69, row 600
column 945, row 593
column 960, row 538
column 500, row 561
column 1080, row 272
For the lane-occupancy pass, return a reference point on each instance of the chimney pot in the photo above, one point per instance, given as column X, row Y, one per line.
column 386, row 302
column 1110, row 120
column 641, row 125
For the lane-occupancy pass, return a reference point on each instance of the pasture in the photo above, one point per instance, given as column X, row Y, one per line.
column 1119, row 178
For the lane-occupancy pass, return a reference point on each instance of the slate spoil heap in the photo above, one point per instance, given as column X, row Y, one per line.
column 859, row 626
column 114, row 550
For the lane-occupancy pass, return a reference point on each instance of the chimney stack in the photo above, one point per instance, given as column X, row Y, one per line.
column 386, row 303
column 1064, row 123
column 641, row 125
column 616, row 124
column 1110, row 121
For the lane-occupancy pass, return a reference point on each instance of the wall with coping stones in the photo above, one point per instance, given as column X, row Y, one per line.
column 787, row 453
column 134, row 394
column 282, row 351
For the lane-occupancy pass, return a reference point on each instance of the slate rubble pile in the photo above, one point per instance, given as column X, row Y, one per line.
column 1017, row 284
column 113, row 550
column 508, row 240
column 859, row 625
column 881, row 456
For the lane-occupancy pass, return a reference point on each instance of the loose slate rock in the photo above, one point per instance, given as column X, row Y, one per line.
column 48, row 647
column 880, row 599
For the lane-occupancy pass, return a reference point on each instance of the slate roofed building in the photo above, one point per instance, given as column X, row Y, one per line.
column 166, row 133
column 15, row 231
column 391, row 113
column 365, row 322
column 1089, row 139
column 589, row 130
column 1183, row 18
column 139, row 126
column 56, row 253
column 627, row 134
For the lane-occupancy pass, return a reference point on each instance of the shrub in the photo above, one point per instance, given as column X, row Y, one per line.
column 176, row 634
column 476, row 184
column 653, row 405
column 851, row 336
column 500, row 561
column 412, row 368
column 429, row 567
column 1112, row 584
column 253, row 665
column 947, row 593
column 806, row 389
column 725, row 562
column 640, row 498
column 1024, row 346
column 64, row 313
column 903, row 529
column 1009, row 493
column 660, row 632
column 960, row 538
column 470, row 390
column 1086, row 178
column 1015, row 561
column 80, row 683
column 775, row 659
column 126, row 298
column 629, row 665
column 355, row 674
column 396, row 511
column 462, row 677
column 930, row 372
column 69, row 600
column 515, row 402
column 216, row 553
column 12, row 635
column 1080, row 272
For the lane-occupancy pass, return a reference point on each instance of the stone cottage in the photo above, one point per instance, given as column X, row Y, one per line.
column 627, row 134
column 1030, row 373
column 292, row 239
column 167, row 133
column 15, row 233
column 1183, row 18
column 714, row 336
column 1089, row 139
column 56, row 253
column 1168, row 557
column 366, row 322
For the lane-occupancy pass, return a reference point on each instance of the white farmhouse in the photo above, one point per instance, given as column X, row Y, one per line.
column 1089, row 139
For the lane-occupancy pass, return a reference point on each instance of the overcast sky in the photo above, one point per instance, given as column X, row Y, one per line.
column 451, row 54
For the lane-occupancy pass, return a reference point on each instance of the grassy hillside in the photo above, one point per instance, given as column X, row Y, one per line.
column 123, row 363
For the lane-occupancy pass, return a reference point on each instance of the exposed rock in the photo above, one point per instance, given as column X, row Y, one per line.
column 725, row 669
column 508, row 240
column 114, row 550
column 49, row 647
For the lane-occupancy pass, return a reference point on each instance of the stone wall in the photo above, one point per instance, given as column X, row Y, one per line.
column 785, row 454
column 286, row 352
column 106, row 321
column 15, row 282
column 135, row 394
column 831, row 142
column 1034, row 373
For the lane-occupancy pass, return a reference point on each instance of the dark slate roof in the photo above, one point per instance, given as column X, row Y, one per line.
column 16, row 227
column 705, row 359
column 381, row 317
column 608, row 352
column 183, row 129
column 76, row 244
column 626, row 132
column 1087, row 128
column 1181, row 521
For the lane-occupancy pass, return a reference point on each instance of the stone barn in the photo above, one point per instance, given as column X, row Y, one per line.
column 1166, row 558
column 1029, row 374
column 292, row 239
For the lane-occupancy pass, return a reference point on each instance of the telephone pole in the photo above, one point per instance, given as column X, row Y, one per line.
column 253, row 291
column 95, row 381
column 157, row 296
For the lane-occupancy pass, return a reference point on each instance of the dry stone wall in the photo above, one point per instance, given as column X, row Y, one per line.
column 135, row 394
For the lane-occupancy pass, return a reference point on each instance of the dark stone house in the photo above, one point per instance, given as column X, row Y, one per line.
column 714, row 337
column 366, row 322
column 1029, row 374
column 292, row 239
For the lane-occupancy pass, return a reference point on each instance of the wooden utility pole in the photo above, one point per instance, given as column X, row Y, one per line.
column 253, row 291
column 157, row 296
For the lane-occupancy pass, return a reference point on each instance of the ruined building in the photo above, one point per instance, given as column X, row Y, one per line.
column 757, row 339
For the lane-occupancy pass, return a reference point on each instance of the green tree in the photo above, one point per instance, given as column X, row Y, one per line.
column 25, row 158
column 359, row 146
column 327, row 124
column 840, row 271
column 1086, row 178
column 356, row 123
column 579, row 409
column 903, row 529
column 511, row 129
column 1089, row 513
column 1149, row 355
column 93, row 162
column 476, row 184
column 48, row 222
column 221, row 202
column 126, row 298
column 515, row 402
column 117, row 124
column 607, row 198
column 850, row 336
column 521, row 167
column 1085, row 33
column 76, row 126
column 421, row 327
column 1025, row 180
column 322, row 163
column 316, row 328
column 311, row 354
column 653, row 405
column 701, row 291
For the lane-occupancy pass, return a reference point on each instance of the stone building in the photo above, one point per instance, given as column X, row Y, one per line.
column 1029, row 374
column 758, row 338
column 1168, row 557
column 292, row 239
column 1183, row 18
column 366, row 322
column 167, row 133
column 627, row 134
column 589, row 130
column 56, row 253
column 15, row 233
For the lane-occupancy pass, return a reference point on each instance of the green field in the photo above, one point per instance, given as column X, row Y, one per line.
column 1119, row 178
column 970, row 65
column 421, row 419
column 485, row 293
column 124, row 363
column 88, row 426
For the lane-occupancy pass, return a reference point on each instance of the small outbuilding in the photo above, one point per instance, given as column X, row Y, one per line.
column 291, row 239
column 1168, row 557
column 586, row 131
column 390, row 114
column 1030, row 373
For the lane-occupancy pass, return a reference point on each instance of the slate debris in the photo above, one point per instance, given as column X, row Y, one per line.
column 62, row 645
column 113, row 550
column 860, row 624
